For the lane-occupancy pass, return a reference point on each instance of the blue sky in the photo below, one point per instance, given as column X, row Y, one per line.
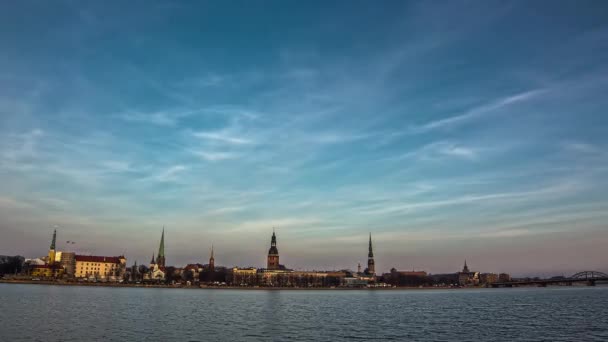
column 455, row 130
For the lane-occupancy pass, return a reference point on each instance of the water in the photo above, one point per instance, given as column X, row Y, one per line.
column 72, row 313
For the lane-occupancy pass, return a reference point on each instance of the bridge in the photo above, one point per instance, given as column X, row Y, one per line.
column 586, row 277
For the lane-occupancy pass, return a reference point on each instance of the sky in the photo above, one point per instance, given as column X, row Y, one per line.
column 453, row 130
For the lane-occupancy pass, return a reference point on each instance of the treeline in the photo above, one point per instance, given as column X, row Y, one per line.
column 11, row 264
column 172, row 275
column 397, row 279
column 284, row 280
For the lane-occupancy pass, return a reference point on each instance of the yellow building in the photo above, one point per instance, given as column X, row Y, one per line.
column 41, row 271
column 244, row 276
column 100, row 267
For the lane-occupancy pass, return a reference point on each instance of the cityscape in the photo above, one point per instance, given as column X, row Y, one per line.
column 393, row 170
column 69, row 267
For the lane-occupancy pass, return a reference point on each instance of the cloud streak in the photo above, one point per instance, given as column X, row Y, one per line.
column 223, row 137
column 214, row 156
column 480, row 111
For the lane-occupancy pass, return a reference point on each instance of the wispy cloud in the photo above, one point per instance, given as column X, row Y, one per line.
column 226, row 210
column 456, row 151
column 479, row 111
column 23, row 145
column 170, row 174
column 10, row 203
column 223, row 137
column 440, row 150
column 266, row 225
column 580, row 147
column 335, row 137
column 160, row 118
column 552, row 192
column 117, row 166
column 205, row 81
column 214, row 156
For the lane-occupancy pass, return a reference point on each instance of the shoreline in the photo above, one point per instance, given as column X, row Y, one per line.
column 259, row 288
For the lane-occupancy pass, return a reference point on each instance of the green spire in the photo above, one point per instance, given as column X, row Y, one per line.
column 371, row 253
column 161, row 248
column 54, row 239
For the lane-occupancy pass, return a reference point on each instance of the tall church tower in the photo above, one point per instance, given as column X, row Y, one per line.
column 52, row 248
column 212, row 261
column 371, row 267
column 273, row 254
column 160, row 259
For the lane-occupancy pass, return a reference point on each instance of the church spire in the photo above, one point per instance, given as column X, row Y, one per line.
column 273, row 253
column 52, row 253
column 371, row 265
column 160, row 259
column 54, row 239
column 212, row 261
column 161, row 248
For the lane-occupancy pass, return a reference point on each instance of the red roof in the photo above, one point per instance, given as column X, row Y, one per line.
column 93, row 258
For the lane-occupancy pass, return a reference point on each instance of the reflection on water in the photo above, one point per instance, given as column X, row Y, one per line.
column 71, row 313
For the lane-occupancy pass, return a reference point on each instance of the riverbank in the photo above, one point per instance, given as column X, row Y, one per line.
column 197, row 287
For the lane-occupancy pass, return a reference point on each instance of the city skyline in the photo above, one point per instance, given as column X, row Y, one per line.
column 410, row 121
column 271, row 259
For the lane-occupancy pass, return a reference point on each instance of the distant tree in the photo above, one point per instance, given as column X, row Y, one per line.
column 169, row 274
column 172, row 275
column 220, row 274
column 208, row 276
column 12, row 265
column 188, row 275
column 408, row 280
column 143, row 269
column 332, row 281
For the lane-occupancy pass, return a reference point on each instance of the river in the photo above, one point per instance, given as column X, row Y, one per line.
column 78, row 313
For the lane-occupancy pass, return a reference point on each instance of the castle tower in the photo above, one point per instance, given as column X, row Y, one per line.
column 52, row 248
column 273, row 254
column 160, row 259
column 371, row 267
column 212, row 261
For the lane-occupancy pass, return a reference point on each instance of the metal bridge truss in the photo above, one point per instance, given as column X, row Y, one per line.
column 589, row 275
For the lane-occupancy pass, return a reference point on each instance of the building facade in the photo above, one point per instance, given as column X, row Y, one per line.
column 68, row 262
column 100, row 267
column 244, row 276
column 488, row 278
column 504, row 277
